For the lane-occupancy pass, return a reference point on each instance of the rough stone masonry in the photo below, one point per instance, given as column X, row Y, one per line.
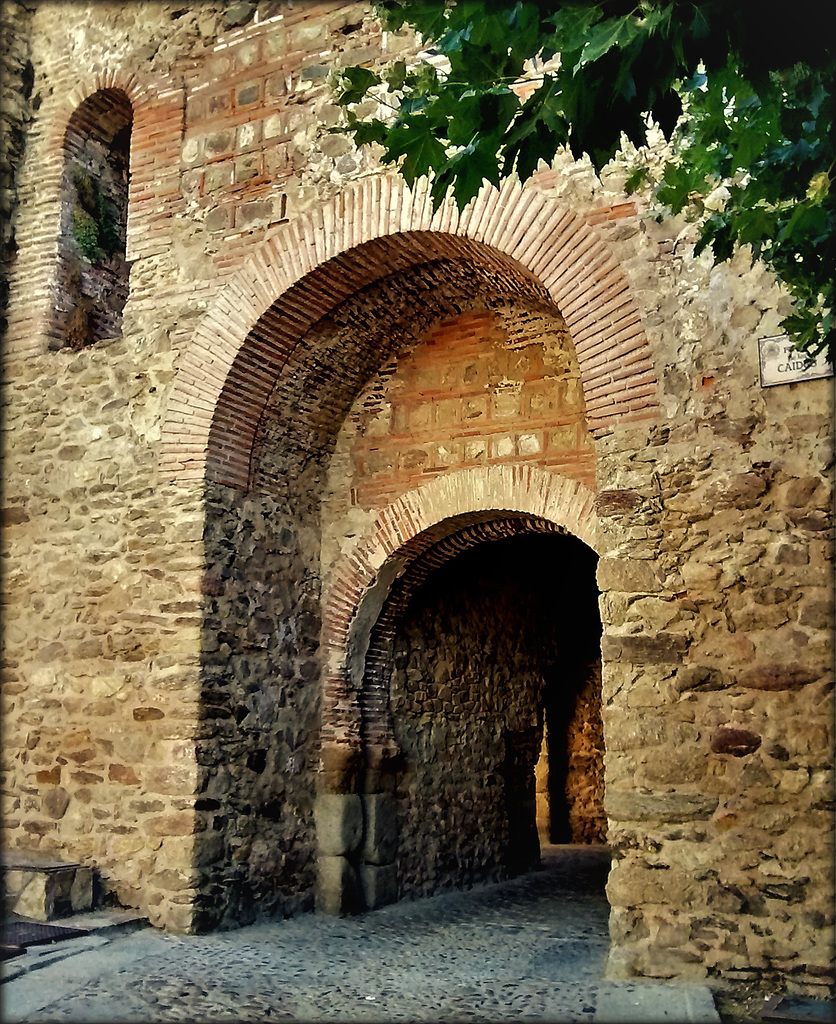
column 270, row 430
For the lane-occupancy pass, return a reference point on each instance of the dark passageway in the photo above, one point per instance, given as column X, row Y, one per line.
column 497, row 648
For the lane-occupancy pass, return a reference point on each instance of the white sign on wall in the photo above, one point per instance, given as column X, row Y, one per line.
column 780, row 363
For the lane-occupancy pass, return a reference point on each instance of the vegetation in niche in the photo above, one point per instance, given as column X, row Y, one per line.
column 93, row 219
column 78, row 328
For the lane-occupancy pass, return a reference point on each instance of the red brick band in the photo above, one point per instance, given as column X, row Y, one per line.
column 455, row 506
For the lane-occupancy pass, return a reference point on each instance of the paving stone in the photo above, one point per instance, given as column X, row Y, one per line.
column 648, row 1003
column 533, row 948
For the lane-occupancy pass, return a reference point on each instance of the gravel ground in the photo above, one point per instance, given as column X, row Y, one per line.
column 533, row 948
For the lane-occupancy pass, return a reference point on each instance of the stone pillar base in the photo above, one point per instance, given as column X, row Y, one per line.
column 338, row 891
column 379, row 884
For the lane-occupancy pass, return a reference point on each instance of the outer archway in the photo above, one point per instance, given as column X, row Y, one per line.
column 279, row 688
column 314, row 263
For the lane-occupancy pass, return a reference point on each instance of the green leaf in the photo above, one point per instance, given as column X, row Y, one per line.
column 395, row 75
column 808, row 221
column 572, row 24
column 367, row 132
column 86, row 233
column 428, row 17
column 417, row 144
column 526, row 154
column 636, row 178
column 679, row 181
column 470, row 168
column 354, row 83
column 603, row 37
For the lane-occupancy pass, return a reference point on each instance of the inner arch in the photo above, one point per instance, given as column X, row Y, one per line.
column 419, row 559
column 485, row 661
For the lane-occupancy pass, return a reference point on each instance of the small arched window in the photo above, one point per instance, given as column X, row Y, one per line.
column 93, row 271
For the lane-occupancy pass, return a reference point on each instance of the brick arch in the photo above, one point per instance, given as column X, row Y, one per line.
column 465, row 534
column 357, row 588
column 89, row 83
column 32, row 325
column 312, row 264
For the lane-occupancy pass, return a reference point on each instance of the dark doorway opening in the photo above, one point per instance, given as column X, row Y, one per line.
column 497, row 649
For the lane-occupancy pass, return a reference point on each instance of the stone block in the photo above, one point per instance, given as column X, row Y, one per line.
column 617, row 502
column 13, row 882
column 43, row 896
column 81, row 891
column 630, row 730
column 701, row 677
column 338, row 891
column 56, row 799
column 59, row 889
column 238, row 14
column 382, row 766
column 773, row 676
column 32, row 898
column 647, row 1002
column 628, row 575
column 625, row 805
column 339, row 823
column 801, row 490
column 341, row 766
column 735, row 741
column 739, row 490
column 634, row 885
column 381, row 833
column 659, row 648
column 379, row 884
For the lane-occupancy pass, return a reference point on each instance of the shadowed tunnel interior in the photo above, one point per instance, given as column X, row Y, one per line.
column 493, row 646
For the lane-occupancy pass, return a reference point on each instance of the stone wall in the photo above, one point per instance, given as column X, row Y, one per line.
column 466, row 696
column 716, row 683
column 167, row 654
column 258, row 746
column 102, row 606
column 573, row 761
column 584, row 785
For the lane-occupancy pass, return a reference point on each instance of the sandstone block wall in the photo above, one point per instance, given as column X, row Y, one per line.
column 576, row 763
column 711, row 656
column 182, row 502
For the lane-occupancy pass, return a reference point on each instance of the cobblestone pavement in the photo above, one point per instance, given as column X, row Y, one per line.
column 533, row 948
